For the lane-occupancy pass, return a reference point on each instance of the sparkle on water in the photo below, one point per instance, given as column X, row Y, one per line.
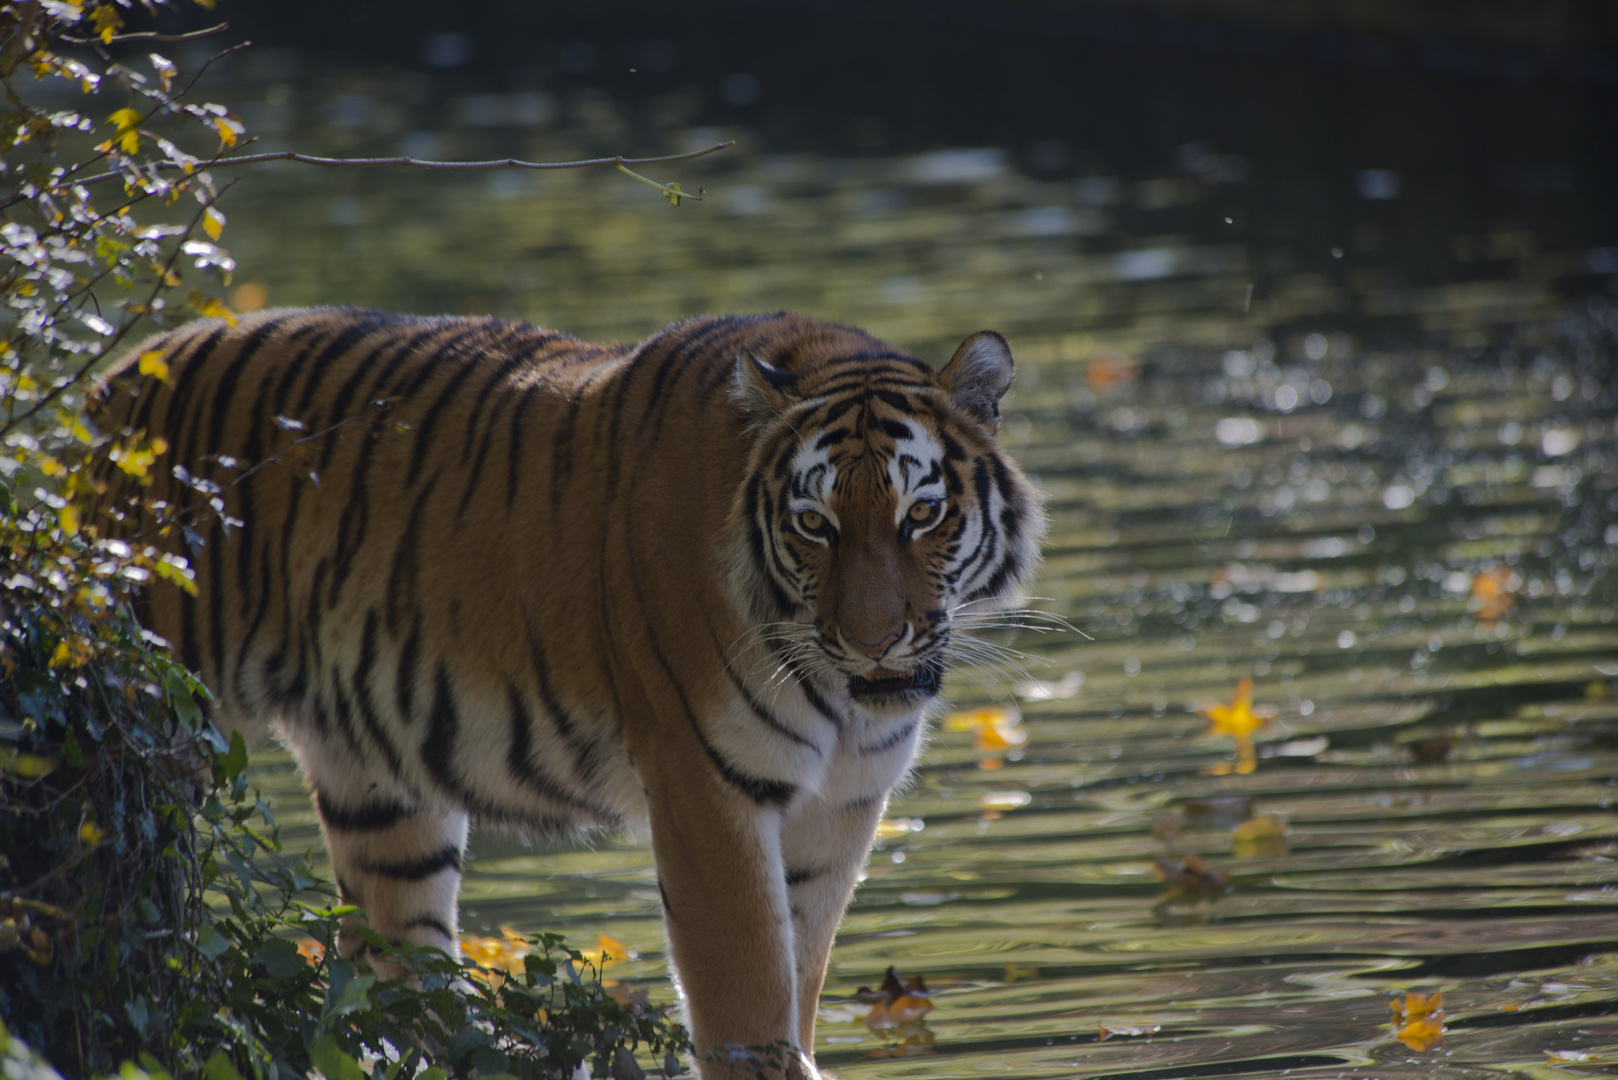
column 1401, row 527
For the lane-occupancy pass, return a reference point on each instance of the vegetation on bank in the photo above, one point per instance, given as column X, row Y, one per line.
column 148, row 916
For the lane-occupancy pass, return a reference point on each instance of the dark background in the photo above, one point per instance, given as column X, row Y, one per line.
column 1488, row 111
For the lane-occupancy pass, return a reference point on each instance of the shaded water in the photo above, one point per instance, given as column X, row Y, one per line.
column 1393, row 506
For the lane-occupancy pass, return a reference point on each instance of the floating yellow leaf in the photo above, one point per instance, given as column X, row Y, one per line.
column 1418, row 1020
column 1239, row 720
column 896, row 1003
column 1263, row 835
column 608, row 951
column 503, row 953
column 989, row 716
column 999, row 738
column 888, row 828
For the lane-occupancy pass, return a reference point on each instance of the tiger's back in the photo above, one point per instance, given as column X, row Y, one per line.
column 702, row 585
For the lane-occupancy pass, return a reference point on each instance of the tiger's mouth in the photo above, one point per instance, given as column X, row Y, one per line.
column 887, row 683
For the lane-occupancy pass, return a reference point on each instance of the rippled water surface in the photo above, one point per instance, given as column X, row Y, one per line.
column 1391, row 505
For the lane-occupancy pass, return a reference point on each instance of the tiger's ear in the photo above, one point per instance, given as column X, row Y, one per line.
column 761, row 387
column 978, row 376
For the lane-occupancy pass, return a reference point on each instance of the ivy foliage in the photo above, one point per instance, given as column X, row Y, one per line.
column 149, row 920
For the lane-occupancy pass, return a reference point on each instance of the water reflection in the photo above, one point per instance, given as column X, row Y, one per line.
column 1401, row 527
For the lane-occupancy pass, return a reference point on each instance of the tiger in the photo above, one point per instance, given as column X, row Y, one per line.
column 703, row 587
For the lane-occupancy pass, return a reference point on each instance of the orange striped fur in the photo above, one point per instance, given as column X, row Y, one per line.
column 703, row 587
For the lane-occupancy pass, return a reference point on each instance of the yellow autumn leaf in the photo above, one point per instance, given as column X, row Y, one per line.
column 1239, row 720
column 211, row 307
column 312, row 951
column 213, row 223
column 69, row 519
column 125, row 119
column 974, row 720
column 1262, row 835
column 227, row 129
column 608, row 951
column 92, row 834
column 154, row 362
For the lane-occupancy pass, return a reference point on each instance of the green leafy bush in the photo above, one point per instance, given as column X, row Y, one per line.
column 147, row 913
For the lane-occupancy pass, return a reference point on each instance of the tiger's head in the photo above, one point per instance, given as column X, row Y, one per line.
column 880, row 511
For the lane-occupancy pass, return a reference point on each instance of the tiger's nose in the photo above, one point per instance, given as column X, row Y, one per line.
column 875, row 651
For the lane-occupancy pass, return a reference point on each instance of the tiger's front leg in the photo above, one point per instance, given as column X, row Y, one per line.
column 401, row 866
column 825, row 843
column 730, row 932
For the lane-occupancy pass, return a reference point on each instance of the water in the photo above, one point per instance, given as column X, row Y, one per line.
column 1391, row 501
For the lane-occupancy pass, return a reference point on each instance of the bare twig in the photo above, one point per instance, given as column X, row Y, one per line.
column 501, row 163
column 147, row 35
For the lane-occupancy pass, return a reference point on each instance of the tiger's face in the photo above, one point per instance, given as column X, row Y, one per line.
column 882, row 506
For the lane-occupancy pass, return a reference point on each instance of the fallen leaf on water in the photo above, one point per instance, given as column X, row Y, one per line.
column 975, row 720
column 503, row 953
column 1190, row 876
column 608, row 951
column 1494, row 592
column 1263, row 835
column 1432, row 750
column 888, row 828
column 896, row 1003
column 1582, row 1058
column 1418, row 1020
column 1238, row 719
column 1108, row 1030
column 1111, row 369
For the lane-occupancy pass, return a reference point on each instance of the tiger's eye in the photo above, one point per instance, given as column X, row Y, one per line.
column 923, row 511
column 812, row 521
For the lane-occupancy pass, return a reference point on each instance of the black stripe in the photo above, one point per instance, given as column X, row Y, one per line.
column 447, row 857
column 368, row 367
column 520, row 760
column 404, row 686
column 898, row 737
column 431, row 922
column 366, row 817
column 443, row 727
column 761, row 790
column 514, row 444
column 583, row 752
column 362, row 694
column 762, row 711
column 422, row 436
column 402, row 576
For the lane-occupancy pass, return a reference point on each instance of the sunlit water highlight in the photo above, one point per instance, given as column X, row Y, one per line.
column 1399, row 524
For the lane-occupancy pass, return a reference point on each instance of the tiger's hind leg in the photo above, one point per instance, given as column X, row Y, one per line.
column 402, row 866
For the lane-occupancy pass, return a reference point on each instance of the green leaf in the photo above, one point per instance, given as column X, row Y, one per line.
column 333, row 1061
column 280, row 958
column 219, row 1067
column 210, row 942
column 354, row 996
column 138, row 1014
